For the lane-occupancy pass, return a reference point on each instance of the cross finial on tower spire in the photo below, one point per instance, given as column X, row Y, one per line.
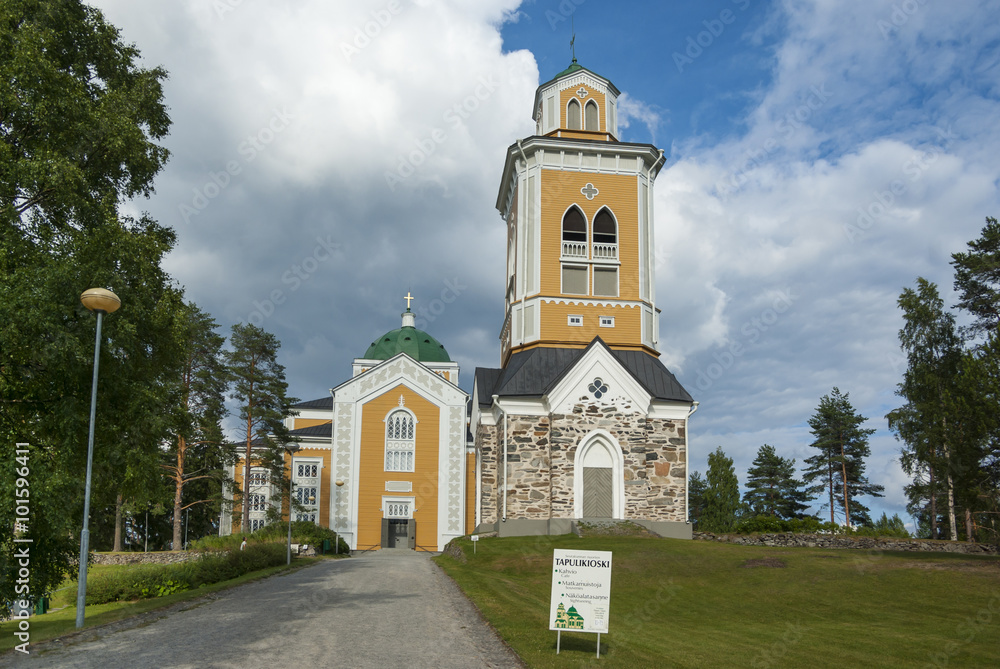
column 572, row 42
column 409, row 298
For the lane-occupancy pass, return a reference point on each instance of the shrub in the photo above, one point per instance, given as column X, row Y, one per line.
column 157, row 580
column 303, row 532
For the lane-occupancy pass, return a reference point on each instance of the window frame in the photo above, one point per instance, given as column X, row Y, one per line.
column 410, row 440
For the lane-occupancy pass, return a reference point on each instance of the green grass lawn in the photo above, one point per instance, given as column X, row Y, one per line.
column 60, row 622
column 678, row 603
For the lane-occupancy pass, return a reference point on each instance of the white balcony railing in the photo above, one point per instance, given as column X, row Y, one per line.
column 574, row 249
column 605, row 251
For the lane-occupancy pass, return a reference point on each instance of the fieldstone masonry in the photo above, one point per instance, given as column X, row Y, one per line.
column 541, row 452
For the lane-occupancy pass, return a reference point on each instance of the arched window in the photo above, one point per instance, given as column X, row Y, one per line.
column 573, row 115
column 400, row 442
column 591, row 119
column 605, row 229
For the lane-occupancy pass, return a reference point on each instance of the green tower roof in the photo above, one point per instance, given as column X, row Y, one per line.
column 409, row 340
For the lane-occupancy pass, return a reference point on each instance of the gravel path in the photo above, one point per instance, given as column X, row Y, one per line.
column 381, row 610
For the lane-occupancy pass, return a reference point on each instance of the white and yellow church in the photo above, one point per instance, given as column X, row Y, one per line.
column 581, row 420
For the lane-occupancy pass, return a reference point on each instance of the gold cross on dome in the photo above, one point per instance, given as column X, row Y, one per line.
column 409, row 298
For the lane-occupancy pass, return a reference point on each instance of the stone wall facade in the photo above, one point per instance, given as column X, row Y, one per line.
column 857, row 543
column 541, row 455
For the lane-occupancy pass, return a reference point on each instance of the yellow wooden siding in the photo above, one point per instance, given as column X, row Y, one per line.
column 310, row 422
column 581, row 134
column 626, row 332
column 372, row 475
column 619, row 192
column 592, row 94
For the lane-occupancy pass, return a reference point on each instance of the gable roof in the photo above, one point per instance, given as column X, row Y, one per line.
column 535, row 372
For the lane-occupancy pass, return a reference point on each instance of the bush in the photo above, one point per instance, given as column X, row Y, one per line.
column 157, row 580
column 303, row 532
column 884, row 527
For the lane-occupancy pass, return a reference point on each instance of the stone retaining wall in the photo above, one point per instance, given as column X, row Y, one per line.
column 852, row 542
column 160, row 557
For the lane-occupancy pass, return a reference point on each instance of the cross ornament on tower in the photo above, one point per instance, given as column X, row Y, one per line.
column 590, row 191
column 409, row 298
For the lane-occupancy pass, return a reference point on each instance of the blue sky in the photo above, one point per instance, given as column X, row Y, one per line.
column 328, row 157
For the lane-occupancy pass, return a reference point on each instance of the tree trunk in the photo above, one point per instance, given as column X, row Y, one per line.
column 970, row 533
column 843, row 470
column 829, row 466
column 118, row 524
column 176, row 544
column 934, row 527
column 953, row 530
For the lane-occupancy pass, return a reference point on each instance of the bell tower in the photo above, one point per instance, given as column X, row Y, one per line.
column 578, row 208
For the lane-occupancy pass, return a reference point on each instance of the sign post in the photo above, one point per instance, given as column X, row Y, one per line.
column 475, row 542
column 581, row 593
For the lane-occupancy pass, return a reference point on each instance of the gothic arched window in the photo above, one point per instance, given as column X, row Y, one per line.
column 400, row 441
column 573, row 115
column 591, row 119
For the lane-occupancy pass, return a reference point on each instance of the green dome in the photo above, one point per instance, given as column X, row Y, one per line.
column 409, row 340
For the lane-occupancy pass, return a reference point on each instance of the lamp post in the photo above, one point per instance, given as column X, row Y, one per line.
column 292, row 449
column 101, row 302
column 336, row 549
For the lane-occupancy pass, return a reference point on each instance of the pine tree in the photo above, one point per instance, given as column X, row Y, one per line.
column 197, row 453
column 260, row 388
column 722, row 494
column 696, row 499
column 838, row 470
column 772, row 488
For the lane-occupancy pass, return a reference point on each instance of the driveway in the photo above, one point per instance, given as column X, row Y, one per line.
column 379, row 610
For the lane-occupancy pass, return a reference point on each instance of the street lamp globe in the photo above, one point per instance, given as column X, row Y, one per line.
column 100, row 299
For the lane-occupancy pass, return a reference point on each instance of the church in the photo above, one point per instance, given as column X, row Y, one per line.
column 580, row 421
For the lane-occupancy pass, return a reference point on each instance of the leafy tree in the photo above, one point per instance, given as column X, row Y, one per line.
column 260, row 388
column 696, row 499
column 79, row 122
column 977, row 279
column 772, row 488
column 839, row 467
column 937, row 435
column 197, row 453
column 722, row 494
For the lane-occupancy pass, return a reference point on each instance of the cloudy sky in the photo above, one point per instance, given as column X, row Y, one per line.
column 329, row 156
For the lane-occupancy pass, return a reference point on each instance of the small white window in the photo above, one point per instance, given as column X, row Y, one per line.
column 397, row 510
column 607, row 321
column 574, row 320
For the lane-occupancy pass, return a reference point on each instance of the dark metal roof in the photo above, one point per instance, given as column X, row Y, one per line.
column 315, row 431
column 321, row 403
column 486, row 379
column 536, row 371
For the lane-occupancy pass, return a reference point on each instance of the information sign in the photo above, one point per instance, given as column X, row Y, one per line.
column 581, row 591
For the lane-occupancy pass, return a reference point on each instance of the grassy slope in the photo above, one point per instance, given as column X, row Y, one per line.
column 693, row 604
